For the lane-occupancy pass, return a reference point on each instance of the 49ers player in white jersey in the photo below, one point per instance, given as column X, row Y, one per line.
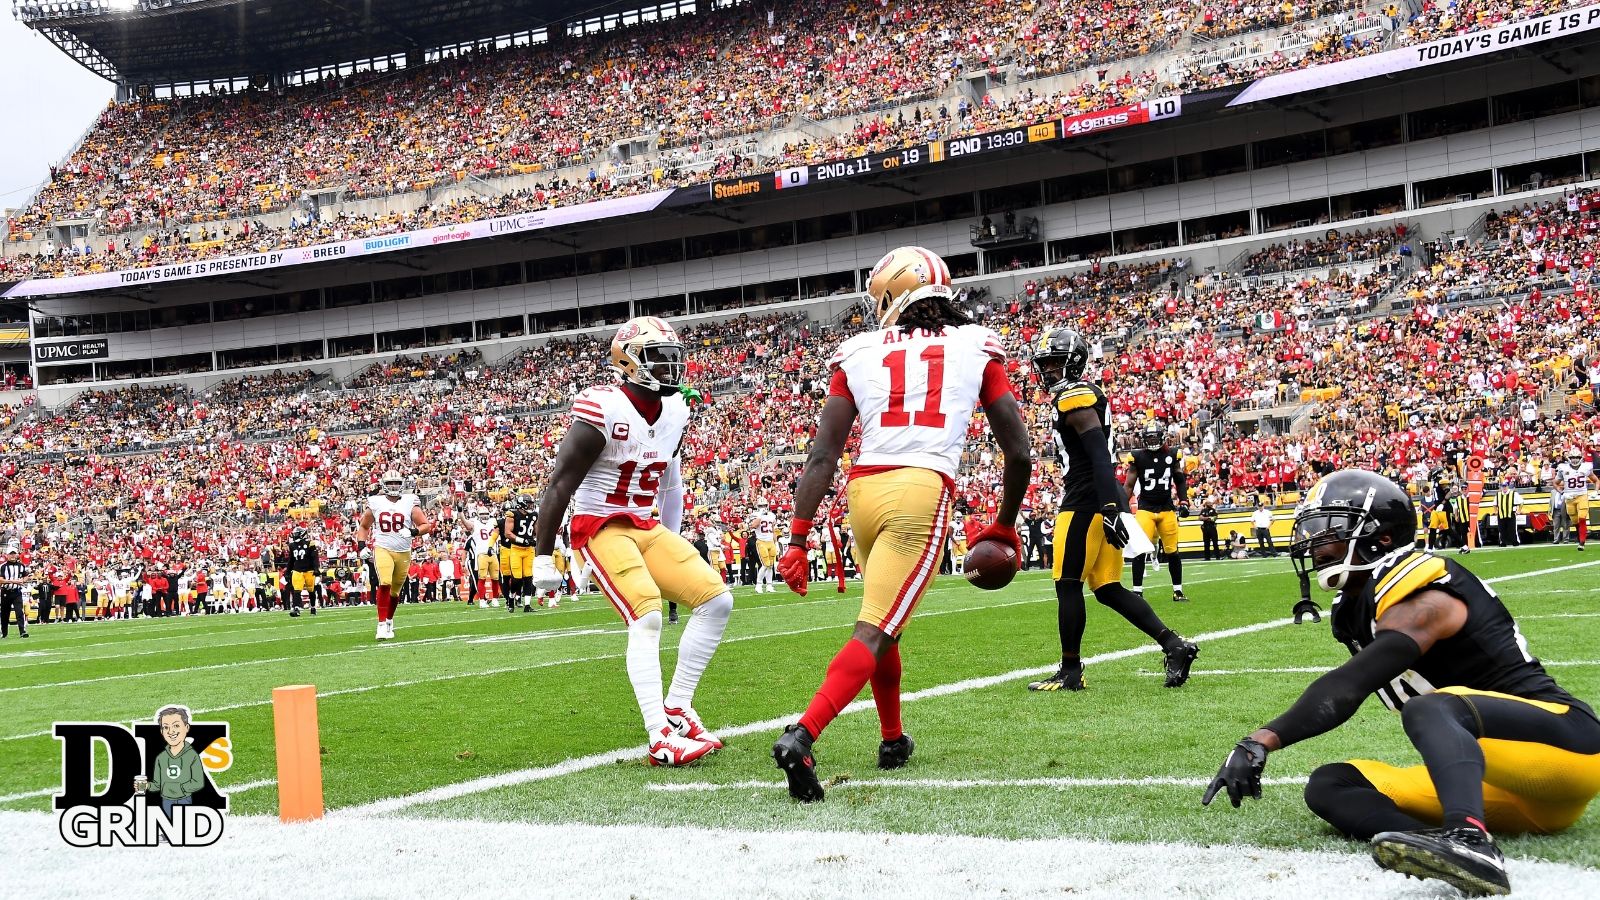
column 618, row 462
column 913, row 384
column 1575, row 474
column 389, row 521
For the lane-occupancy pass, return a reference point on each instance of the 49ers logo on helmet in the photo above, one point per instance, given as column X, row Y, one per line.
column 627, row 332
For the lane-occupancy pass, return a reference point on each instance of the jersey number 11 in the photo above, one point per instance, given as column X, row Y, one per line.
column 929, row 416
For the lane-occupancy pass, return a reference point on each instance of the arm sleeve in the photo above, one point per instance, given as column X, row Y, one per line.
column 1180, row 482
column 671, row 498
column 996, row 383
column 1332, row 699
column 1107, row 490
column 839, row 386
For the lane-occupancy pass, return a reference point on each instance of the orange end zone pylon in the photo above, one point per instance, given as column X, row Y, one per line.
column 294, row 722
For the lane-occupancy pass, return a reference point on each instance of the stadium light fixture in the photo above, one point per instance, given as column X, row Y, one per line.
column 122, row 5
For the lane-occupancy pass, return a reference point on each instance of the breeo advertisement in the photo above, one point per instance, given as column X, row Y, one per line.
column 72, row 351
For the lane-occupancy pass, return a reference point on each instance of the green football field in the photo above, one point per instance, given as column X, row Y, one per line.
column 484, row 715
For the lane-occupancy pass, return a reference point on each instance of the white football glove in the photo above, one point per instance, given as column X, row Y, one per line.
column 545, row 576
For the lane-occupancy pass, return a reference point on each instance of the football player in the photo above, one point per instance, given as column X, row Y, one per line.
column 1156, row 472
column 617, row 462
column 1090, row 531
column 912, row 383
column 389, row 522
column 765, row 525
column 1575, row 473
column 1503, row 746
column 302, row 572
column 483, row 533
column 519, row 531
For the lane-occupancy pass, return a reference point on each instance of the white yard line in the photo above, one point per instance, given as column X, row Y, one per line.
column 955, row 784
column 524, row 667
column 228, row 789
column 259, row 857
column 609, row 757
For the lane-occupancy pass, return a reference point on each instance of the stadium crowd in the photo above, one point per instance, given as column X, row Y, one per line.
column 1479, row 347
column 177, row 180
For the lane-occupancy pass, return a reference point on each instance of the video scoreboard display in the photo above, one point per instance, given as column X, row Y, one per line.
column 1064, row 128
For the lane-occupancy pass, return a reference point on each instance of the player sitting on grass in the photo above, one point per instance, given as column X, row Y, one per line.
column 1503, row 746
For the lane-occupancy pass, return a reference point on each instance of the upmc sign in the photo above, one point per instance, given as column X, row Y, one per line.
column 72, row 351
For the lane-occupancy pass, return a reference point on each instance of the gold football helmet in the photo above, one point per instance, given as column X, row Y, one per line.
column 903, row 276
column 647, row 352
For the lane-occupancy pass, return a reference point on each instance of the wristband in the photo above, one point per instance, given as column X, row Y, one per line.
column 798, row 530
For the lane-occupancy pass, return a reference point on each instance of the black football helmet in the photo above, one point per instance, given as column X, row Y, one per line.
column 1153, row 436
column 300, row 536
column 1061, row 356
column 1357, row 508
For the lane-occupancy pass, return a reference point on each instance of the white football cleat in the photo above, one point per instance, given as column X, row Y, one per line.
column 686, row 722
column 385, row 631
column 554, row 601
column 672, row 749
column 483, row 604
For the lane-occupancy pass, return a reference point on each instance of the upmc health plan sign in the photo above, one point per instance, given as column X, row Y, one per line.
column 71, row 351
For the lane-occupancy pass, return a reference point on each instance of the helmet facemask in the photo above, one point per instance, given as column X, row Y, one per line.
column 658, row 367
column 1154, row 437
column 1319, row 528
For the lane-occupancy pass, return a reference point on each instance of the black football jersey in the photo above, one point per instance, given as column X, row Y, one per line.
column 1157, row 472
column 522, row 526
column 1489, row 653
column 1077, row 473
column 302, row 557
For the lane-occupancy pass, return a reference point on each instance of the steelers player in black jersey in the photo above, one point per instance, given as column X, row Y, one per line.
column 517, row 536
column 302, row 572
column 1090, row 532
column 1155, row 474
column 1503, row 746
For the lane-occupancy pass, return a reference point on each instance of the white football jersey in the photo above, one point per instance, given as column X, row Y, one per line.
column 391, row 522
column 766, row 527
column 714, row 539
column 628, row 474
column 915, row 393
column 1574, row 479
column 483, row 532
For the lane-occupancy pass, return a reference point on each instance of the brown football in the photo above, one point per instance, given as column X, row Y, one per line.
column 990, row 565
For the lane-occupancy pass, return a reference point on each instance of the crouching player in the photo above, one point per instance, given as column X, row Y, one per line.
column 1504, row 748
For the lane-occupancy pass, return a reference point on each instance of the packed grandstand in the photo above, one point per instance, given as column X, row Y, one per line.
column 177, row 180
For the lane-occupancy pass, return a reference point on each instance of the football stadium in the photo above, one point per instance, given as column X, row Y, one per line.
column 860, row 448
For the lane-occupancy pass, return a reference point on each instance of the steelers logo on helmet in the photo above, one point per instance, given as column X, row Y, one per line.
column 648, row 352
column 895, row 281
column 1351, row 522
column 1061, row 356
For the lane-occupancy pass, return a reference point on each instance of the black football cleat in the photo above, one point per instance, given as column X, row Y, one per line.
column 1178, row 661
column 313, row 610
column 1066, row 678
column 793, row 755
column 294, row 613
column 896, row 753
column 1178, row 597
column 1465, row 858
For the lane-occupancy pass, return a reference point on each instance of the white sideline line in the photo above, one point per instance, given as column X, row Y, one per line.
column 1320, row 670
column 230, row 790
column 1560, row 616
column 609, row 757
column 500, row 670
column 371, row 648
column 685, row 787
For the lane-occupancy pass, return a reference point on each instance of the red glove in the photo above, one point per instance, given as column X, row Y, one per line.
column 1005, row 534
column 795, row 569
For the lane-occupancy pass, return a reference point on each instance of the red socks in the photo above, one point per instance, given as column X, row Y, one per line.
column 847, row 675
column 385, row 604
column 1583, row 531
column 886, row 693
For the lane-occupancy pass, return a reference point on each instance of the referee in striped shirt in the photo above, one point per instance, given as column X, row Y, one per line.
column 13, row 579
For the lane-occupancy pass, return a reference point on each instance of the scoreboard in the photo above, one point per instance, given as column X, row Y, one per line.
column 918, row 156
